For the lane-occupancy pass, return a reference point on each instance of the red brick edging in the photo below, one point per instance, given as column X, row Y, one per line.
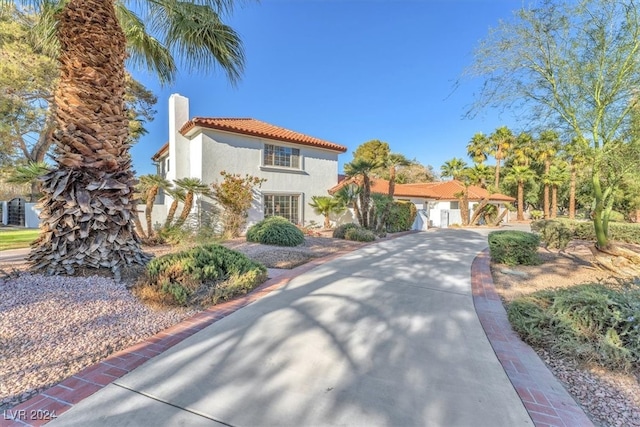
column 52, row 402
column 546, row 400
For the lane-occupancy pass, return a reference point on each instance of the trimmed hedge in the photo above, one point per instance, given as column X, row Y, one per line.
column 275, row 230
column 360, row 234
column 201, row 275
column 401, row 216
column 513, row 247
column 557, row 233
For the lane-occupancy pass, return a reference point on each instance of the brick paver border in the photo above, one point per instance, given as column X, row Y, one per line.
column 546, row 400
column 39, row 409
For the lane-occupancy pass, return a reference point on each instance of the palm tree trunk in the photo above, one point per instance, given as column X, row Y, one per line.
column 554, row 201
column 89, row 203
column 327, row 222
column 387, row 207
column 572, row 192
column 547, row 169
column 138, row 224
column 151, row 197
column 186, row 209
column 172, row 213
column 498, row 158
column 478, row 211
column 464, row 208
column 520, row 216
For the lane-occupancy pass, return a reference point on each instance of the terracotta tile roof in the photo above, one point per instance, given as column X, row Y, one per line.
column 444, row 190
column 253, row 127
column 161, row 152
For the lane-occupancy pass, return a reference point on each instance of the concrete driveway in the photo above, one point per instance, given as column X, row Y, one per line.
column 384, row 336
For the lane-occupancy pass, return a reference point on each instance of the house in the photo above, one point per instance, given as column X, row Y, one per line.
column 295, row 166
column 437, row 203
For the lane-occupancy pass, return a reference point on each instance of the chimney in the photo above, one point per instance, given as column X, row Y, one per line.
column 178, row 144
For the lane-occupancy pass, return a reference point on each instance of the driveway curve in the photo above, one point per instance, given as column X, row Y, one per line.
column 384, row 336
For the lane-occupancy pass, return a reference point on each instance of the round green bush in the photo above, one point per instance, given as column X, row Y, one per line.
column 275, row 230
column 514, row 247
column 360, row 234
column 341, row 230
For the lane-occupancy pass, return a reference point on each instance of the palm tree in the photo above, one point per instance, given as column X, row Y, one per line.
column 178, row 195
column 557, row 176
column 456, row 168
column 348, row 196
column 191, row 186
column 545, row 151
column 151, row 186
column 29, row 174
column 393, row 161
column 361, row 168
column 453, row 168
column 500, row 142
column 520, row 175
column 326, row 205
column 479, row 148
column 93, row 170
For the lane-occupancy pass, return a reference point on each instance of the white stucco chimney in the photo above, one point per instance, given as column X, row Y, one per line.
column 178, row 144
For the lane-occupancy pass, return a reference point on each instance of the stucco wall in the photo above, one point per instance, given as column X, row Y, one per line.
column 242, row 154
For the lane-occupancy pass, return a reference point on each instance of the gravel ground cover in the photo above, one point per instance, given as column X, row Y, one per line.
column 610, row 398
column 53, row 327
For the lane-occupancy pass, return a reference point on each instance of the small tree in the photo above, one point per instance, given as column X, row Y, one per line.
column 29, row 174
column 191, row 186
column 235, row 194
column 326, row 205
column 150, row 185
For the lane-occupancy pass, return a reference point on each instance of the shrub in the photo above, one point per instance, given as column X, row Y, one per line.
column 583, row 230
column 201, row 275
column 275, row 230
column 360, row 234
column 536, row 215
column 591, row 322
column 555, row 234
column 514, row 247
column 341, row 230
column 401, row 216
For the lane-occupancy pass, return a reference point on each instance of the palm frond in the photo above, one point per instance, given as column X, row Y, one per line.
column 197, row 36
column 145, row 50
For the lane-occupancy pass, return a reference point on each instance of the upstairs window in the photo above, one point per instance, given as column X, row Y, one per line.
column 285, row 157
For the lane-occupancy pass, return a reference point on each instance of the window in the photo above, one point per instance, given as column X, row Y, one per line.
column 454, row 205
column 285, row 157
column 285, row 206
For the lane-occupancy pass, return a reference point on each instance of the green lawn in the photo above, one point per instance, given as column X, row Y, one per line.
column 15, row 239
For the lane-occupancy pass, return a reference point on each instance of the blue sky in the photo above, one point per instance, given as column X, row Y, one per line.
column 349, row 71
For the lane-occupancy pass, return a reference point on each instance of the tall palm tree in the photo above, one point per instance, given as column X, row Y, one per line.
column 152, row 184
column 520, row 175
column 479, row 148
column 361, row 168
column 500, row 142
column 192, row 187
column 456, row 168
column 325, row 206
column 88, row 201
column 546, row 149
column 392, row 162
column 558, row 174
column 453, row 168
